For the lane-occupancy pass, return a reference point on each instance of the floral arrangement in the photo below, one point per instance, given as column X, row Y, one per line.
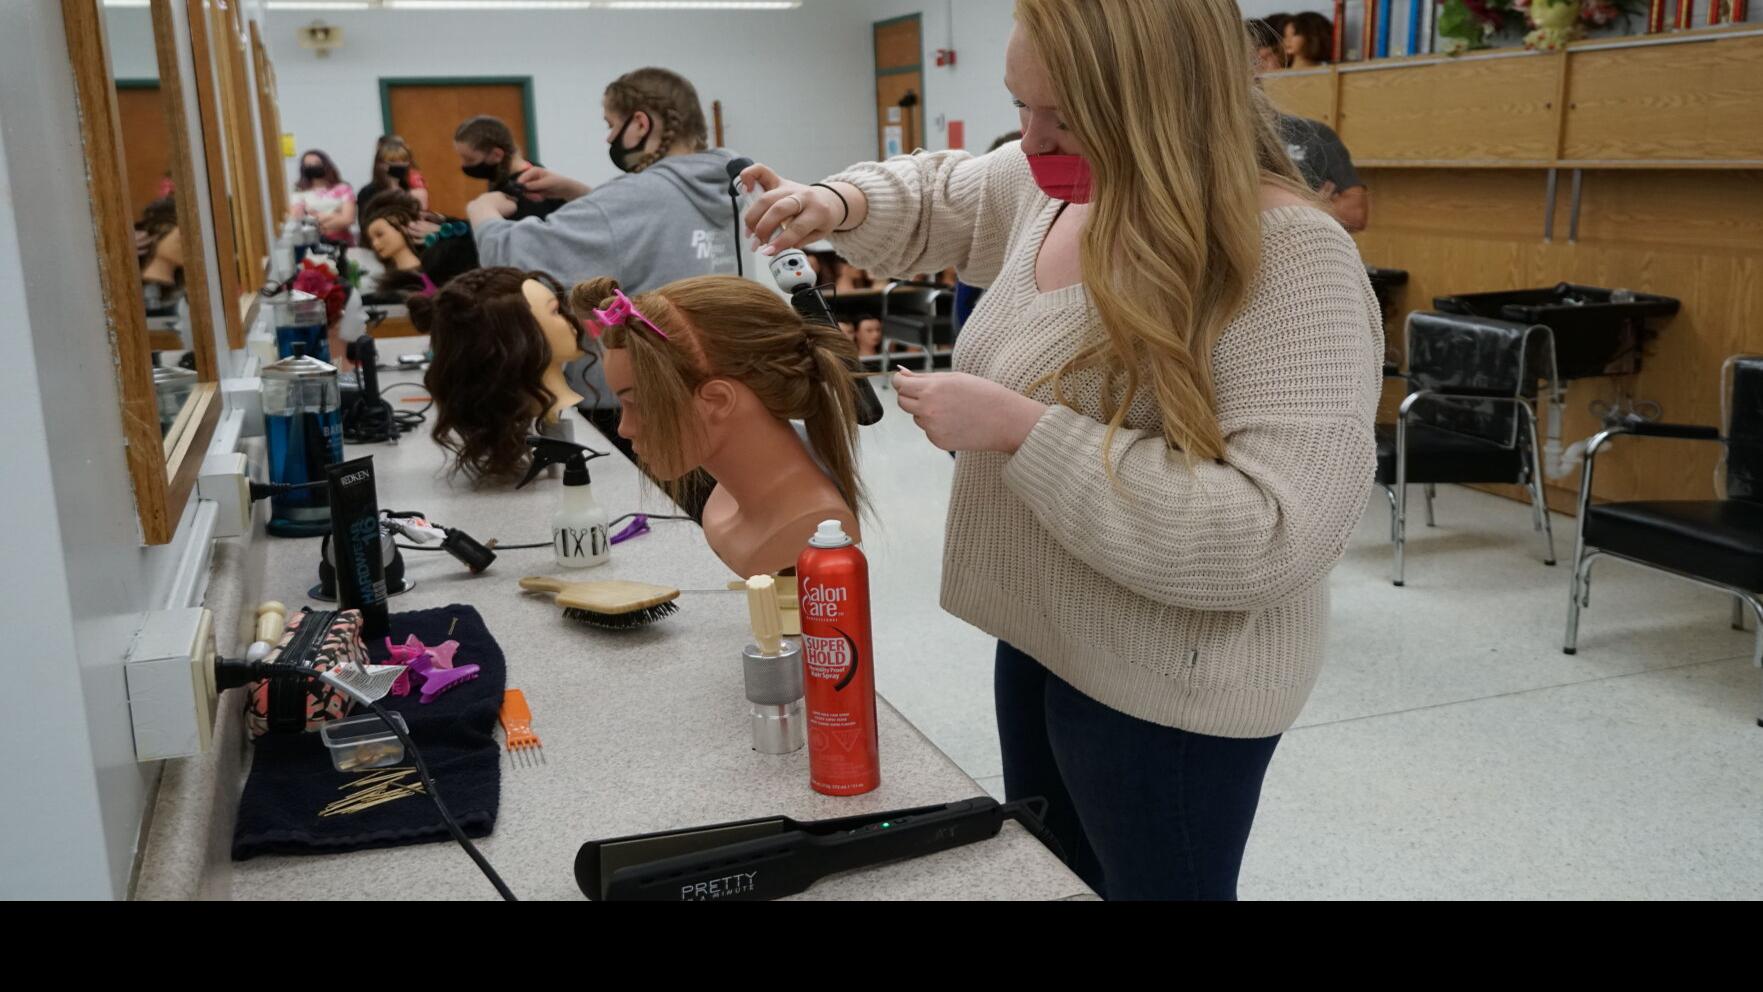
column 319, row 277
column 1469, row 24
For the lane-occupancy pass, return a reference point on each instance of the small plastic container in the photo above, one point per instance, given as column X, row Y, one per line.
column 363, row 742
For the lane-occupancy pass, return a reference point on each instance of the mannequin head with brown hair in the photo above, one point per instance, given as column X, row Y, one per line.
column 709, row 372
column 386, row 222
column 500, row 337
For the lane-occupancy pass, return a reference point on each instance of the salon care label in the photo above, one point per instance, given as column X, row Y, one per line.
column 837, row 665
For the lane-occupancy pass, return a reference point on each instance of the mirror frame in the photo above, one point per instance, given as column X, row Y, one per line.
column 270, row 117
column 163, row 466
column 246, row 163
column 219, row 182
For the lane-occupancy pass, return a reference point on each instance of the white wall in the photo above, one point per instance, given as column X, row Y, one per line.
column 75, row 581
column 796, row 86
column 129, row 32
column 971, row 90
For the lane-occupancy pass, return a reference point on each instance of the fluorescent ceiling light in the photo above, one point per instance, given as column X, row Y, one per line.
column 126, row 3
column 487, row 5
column 318, row 4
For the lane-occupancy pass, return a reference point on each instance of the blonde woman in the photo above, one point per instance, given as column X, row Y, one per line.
column 1164, row 416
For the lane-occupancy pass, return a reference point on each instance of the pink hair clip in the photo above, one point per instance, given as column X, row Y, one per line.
column 621, row 310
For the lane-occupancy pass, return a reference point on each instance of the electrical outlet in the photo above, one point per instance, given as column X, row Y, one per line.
column 226, row 480
column 170, row 677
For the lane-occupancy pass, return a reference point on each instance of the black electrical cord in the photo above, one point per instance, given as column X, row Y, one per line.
column 370, row 421
column 264, row 490
column 547, row 544
column 651, row 516
column 263, row 669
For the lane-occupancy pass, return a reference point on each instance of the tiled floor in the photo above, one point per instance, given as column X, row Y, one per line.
column 1450, row 749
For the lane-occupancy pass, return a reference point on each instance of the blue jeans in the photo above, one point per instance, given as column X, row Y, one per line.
column 1143, row 811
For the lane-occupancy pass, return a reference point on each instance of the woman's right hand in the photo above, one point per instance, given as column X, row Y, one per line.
column 541, row 183
column 788, row 214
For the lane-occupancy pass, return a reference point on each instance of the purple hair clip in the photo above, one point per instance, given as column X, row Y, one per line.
column 636, row 528
column 621, row 310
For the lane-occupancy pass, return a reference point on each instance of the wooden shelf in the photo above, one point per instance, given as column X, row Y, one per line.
column 1686, row 100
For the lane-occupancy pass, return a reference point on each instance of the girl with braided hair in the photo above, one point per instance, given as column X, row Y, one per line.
column 666, row 218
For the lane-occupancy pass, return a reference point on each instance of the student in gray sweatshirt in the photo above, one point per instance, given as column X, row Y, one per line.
column 667, row 218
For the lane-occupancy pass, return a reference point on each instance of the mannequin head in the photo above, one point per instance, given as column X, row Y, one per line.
column 500, row 338
column 651, row 114
column 486, row 149
column 162, row 255
column 1308, row 38
column 1268, row 45
column 386, row 223
column 733, row 351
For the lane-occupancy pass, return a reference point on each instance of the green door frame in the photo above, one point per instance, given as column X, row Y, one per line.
column 922, row 138
column 526, row 99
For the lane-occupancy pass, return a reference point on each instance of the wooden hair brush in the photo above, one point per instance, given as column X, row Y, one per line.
column 611, row 604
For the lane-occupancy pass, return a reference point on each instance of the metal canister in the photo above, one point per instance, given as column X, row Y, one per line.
column 303, row 422
column 171, row 388
column 774, row 693
column 300, row 319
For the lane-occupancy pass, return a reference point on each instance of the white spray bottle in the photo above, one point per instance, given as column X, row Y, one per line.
column 579, row 537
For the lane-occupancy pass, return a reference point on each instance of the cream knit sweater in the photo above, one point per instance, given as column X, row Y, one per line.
column 1189, row 596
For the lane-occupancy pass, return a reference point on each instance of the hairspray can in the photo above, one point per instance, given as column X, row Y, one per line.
column 838, row 664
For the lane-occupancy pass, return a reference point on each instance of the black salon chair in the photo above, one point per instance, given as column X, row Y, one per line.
column 918, row 315
column 1469, row 416
column 1715, row 542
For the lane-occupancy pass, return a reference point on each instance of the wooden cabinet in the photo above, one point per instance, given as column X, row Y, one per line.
column 1699, row 102
column 1481, row 111
column 1688, row 100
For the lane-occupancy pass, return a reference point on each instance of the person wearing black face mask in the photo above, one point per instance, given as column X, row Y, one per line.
column 666, row 217
column 321, row 193
column 394, row 168
column 487, row 151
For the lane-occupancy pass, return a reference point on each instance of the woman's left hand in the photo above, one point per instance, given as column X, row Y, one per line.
column 961, row 412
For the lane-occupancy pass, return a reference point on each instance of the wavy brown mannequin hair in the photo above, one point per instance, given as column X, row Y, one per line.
column 726, row 327
column 670, row 100
column 487, row 377
column 401, row 210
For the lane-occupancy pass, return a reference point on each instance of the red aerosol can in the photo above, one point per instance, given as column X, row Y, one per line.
column 838, row 664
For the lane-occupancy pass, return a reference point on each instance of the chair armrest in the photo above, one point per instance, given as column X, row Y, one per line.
column 1684, row 432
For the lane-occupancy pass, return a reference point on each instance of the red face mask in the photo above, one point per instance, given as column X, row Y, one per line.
column 1062, row 177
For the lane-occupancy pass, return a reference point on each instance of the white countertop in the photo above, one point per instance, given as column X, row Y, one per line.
column 643, row 730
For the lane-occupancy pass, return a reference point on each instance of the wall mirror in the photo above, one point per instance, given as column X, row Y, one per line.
column 152, row 256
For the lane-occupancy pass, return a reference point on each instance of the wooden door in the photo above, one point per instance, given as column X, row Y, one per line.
column 146, row 142
column 426, row 113
column 899, row 76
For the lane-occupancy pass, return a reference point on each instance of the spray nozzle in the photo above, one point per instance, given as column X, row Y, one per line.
column 553, row 451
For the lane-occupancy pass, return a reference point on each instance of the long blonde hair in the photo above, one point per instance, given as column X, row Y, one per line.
column 726, row 327
column 1161, row 96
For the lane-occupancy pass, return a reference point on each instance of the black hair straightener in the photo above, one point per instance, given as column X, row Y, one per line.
column 776, row 856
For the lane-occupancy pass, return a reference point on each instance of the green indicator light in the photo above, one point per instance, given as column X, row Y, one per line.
column 886, row 825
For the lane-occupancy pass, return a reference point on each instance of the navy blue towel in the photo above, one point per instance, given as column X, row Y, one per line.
column 292, row 780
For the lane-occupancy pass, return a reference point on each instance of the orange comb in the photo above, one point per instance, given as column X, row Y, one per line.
column 517, row 727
